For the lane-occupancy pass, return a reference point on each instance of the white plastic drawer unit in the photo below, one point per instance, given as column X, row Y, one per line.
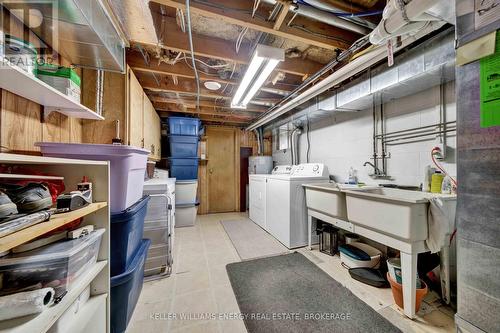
column 159, row 206
column 257, row 200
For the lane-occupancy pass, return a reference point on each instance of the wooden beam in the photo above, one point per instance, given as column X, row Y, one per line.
column 245, row 19
column 203, row 116
column 282, row 15
column 204, row 111
column 191, row 104
column 189, row 88
column 218, row 48
column 180, row 69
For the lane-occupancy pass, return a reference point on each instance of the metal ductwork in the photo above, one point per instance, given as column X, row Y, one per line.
column 81, row 31
column 325, row 17
column 419, row 69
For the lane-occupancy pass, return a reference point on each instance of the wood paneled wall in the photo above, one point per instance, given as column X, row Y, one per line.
column 22, row 124
column 243, row 139
column 21, row 120
column 113, row 106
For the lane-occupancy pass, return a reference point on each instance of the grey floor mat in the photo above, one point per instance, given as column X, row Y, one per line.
column 290, row 285
column 251, row 241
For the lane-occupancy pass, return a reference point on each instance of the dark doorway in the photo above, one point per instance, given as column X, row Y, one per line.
column 245, row 152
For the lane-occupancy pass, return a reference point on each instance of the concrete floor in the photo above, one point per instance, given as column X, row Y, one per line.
column 200, row 289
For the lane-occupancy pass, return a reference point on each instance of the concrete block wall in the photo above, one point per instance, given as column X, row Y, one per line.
column 345, row 139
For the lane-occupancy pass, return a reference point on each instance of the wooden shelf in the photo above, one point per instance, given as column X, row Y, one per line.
column 56, row 221
column 19, row 82
column 18, row 176
column 43, row 321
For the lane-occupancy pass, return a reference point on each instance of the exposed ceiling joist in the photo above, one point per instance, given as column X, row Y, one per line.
column 180, row 69
column 245, row 19
column 281, row 16
column 204, row 111
column 205, row 117
column 218, row 48
column 189, row 88
column 191, row 104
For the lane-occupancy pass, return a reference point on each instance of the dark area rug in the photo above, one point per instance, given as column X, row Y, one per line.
column 288, row 293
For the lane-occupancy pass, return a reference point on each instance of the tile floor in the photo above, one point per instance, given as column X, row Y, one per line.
column 199, row 288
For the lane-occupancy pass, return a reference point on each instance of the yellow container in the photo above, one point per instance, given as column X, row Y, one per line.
column 436, row 182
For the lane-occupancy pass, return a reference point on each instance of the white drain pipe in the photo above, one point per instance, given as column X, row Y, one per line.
column 400, row 18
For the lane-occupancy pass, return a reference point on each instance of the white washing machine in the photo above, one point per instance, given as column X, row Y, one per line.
column 286, row 212
column 257, row 184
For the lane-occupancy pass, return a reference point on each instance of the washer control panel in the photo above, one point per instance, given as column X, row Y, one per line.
column 310, row 170
column 283, row 170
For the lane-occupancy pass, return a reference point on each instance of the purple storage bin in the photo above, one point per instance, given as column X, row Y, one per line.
column 127, row 167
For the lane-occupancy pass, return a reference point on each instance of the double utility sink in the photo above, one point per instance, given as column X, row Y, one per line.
column 395, row 212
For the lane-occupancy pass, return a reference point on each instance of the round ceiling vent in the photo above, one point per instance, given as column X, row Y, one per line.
column 212, row 85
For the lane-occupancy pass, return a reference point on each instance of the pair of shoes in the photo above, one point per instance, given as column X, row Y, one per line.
column 29, row 198
column 7, row 207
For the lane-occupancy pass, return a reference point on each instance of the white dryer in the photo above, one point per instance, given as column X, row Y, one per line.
column 286, row 212
column 257, row 184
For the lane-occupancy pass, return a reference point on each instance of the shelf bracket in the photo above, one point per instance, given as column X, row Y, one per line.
column 47, row 110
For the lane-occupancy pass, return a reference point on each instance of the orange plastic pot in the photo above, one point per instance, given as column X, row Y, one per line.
column 397, row 293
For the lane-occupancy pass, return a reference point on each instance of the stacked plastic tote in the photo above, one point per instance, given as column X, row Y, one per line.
column 183, row 141
column 128, row 209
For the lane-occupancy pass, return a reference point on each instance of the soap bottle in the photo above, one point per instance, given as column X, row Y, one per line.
column 353, row 178
column 446, row 186
column 436, row 182
column 426, row 184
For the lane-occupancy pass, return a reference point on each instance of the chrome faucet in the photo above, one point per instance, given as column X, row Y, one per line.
column 377, row 171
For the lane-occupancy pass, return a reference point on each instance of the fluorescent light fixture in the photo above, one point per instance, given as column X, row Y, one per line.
column 264, row 61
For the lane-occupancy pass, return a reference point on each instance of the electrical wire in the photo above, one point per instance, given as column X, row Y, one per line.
column 202, row 62
column 188, row 14
column 434, row 150
column 256, row 4
column 239, row 40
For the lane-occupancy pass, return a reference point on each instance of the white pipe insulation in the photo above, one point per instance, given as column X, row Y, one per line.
column 401, row 17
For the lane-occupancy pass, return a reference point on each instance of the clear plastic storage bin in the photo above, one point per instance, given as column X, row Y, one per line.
column 157, row 233
column 55, row 265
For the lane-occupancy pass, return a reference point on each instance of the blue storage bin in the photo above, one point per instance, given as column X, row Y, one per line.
column 183, row 146
column 126, row 289
column 183, row 126
column 184, row 168
column 127, row 228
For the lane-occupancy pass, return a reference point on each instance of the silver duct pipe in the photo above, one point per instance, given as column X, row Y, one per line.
column 294, row 136
column 329, row 7
column 275, row 91
column 325, row 17
column 257, row 136
column 343, row 73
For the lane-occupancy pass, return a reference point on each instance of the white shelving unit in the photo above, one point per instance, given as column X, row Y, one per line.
column 93, row 314
column 19, row 82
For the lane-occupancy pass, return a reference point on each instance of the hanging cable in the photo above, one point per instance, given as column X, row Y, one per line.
column 239, row 40
column 188, row 14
